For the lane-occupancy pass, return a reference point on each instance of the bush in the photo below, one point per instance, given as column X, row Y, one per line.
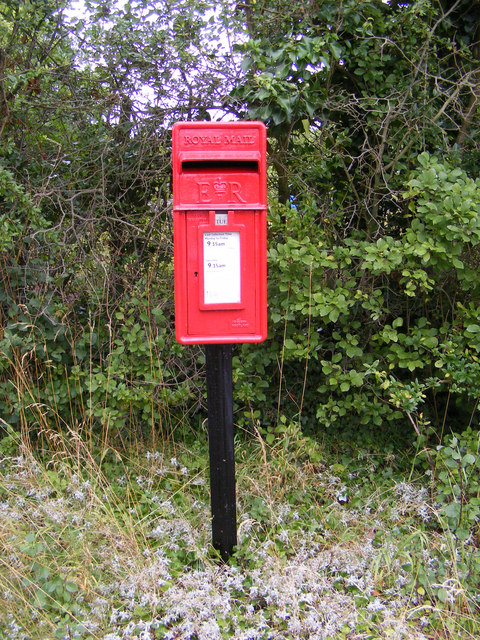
column 365, row 333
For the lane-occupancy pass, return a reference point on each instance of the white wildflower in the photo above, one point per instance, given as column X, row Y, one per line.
column 375, row 605
column 250, row 634
column 209, row 630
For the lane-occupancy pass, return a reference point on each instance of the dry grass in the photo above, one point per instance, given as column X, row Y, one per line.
column 100, row 545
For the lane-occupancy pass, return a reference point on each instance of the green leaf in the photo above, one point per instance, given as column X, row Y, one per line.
column 71, row 587
column 473, row 328
column 452, row 510
column 333, row 315
column 430, row 342
column 462, row 534
column 468, row 459
column 336, row 50
column 442, row 595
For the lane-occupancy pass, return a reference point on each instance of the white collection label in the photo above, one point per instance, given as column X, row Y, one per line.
column 221, row 267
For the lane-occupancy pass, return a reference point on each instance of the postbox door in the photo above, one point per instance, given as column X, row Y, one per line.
column 222, row 273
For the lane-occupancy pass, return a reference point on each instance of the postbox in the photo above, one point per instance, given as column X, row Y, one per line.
column 219, row 231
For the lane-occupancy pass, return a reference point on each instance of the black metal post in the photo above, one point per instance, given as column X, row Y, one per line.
column 220, row 444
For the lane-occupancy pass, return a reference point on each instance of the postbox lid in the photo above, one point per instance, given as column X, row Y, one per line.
column 207, row 155
column 212, row 138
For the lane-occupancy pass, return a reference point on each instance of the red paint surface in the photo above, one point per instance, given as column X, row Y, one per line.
column 219, row 167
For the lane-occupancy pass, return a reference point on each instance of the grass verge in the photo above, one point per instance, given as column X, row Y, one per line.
column 115, row 546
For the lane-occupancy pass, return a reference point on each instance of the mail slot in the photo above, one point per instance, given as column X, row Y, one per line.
column 219, row 232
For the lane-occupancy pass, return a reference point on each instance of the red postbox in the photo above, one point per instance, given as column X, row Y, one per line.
column 219, row 230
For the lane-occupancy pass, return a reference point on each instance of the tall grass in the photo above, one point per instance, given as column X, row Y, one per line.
column 105, row 534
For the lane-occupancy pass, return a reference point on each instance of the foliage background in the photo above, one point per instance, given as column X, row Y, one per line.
column 372, row 115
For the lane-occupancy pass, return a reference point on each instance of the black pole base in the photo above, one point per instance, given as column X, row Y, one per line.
column 221, row 449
